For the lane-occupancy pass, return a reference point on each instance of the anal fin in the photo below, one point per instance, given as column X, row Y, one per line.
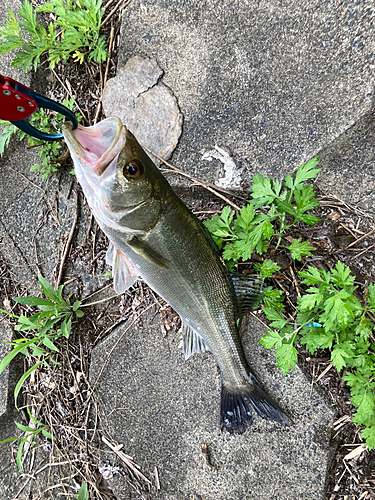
column 193, row 342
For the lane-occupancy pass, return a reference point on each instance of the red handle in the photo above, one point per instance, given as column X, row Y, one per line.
column 14, row 104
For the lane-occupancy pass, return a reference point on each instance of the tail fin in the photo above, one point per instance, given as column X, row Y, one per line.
column 266, row 407
column 235, row 411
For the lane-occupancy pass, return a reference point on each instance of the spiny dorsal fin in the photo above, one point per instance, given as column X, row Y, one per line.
column 123, row 272
column 147, row 252
column 248, row 291
column 193, row 342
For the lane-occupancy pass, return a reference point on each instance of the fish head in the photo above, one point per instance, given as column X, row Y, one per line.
column 123, row 187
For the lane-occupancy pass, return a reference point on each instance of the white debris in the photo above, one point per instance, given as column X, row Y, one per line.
column 232, row 177
column 107, row 471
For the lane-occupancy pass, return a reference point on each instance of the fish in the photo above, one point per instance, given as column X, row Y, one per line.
column 153, row 235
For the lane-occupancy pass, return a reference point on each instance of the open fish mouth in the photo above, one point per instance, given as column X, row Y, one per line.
column 97, row 146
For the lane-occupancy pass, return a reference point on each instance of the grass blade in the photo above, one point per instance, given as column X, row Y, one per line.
column 22, row 380
column 32, row 301
column 13, row 353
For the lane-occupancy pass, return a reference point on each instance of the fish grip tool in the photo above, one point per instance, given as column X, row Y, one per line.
column 18, row 102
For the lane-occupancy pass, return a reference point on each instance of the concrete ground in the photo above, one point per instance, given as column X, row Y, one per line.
column 271, row 84
column 162, row 409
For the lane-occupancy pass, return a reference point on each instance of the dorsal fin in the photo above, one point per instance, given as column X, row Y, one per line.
column 123, row 272
column 193, row 342
column 248, row 290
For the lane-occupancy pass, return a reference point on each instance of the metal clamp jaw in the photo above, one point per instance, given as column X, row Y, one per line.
column 18, row 102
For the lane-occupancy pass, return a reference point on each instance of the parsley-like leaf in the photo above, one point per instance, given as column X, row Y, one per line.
column 369, row 435
column 299, row 249
column 338, row 356
column 341, row 275
column 273, row 338
column 307, row 171
column 313, row 298
column 277, row 321
column 267, row 268
column 287, row 357
column 316, row 338
column 264, row 191
column 314, row 276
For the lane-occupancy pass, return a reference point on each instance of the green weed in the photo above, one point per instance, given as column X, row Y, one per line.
column 282, row 206
column 73, row 33
column 54, row 320
column 331, row 317
column 29, row 436
column 83, row 493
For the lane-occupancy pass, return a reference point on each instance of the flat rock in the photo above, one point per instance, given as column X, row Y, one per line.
column 10, row 480
column 162, row 409
column 6, row 335
column 272, row 82
column 349, row 164
column 145, row 105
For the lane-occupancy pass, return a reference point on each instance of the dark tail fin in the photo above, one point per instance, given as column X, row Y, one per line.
column 235, row 411
column 266, row 407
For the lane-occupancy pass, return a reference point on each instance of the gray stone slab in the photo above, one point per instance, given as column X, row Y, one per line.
column 6, row 335
column 9, row 475
column 273, row 82
column 349, row 165
column 162, row 409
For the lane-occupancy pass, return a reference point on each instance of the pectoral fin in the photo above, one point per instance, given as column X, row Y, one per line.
column 193, row 342
column 123, row 271
column 148, row 253
column 248, row 291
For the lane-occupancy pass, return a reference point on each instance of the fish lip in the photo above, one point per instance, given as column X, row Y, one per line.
column 103, row 159
column 73, row 144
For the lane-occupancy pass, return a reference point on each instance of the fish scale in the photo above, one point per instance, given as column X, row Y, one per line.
column 155, row 236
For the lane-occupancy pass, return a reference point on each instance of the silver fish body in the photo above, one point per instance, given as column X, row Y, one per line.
column 155, row 236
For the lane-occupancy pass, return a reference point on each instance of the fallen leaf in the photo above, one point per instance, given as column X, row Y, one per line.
column 334, row 216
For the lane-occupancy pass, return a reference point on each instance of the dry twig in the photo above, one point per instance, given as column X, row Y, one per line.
column 115, row 9
column 207, row 457
column 361, row 238
column 207, row 185
column 128, row 461
column 68, row 242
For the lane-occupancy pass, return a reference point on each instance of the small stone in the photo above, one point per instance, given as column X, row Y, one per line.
column 145, row 105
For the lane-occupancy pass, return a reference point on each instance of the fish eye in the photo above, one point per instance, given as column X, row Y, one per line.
column 133, row 170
